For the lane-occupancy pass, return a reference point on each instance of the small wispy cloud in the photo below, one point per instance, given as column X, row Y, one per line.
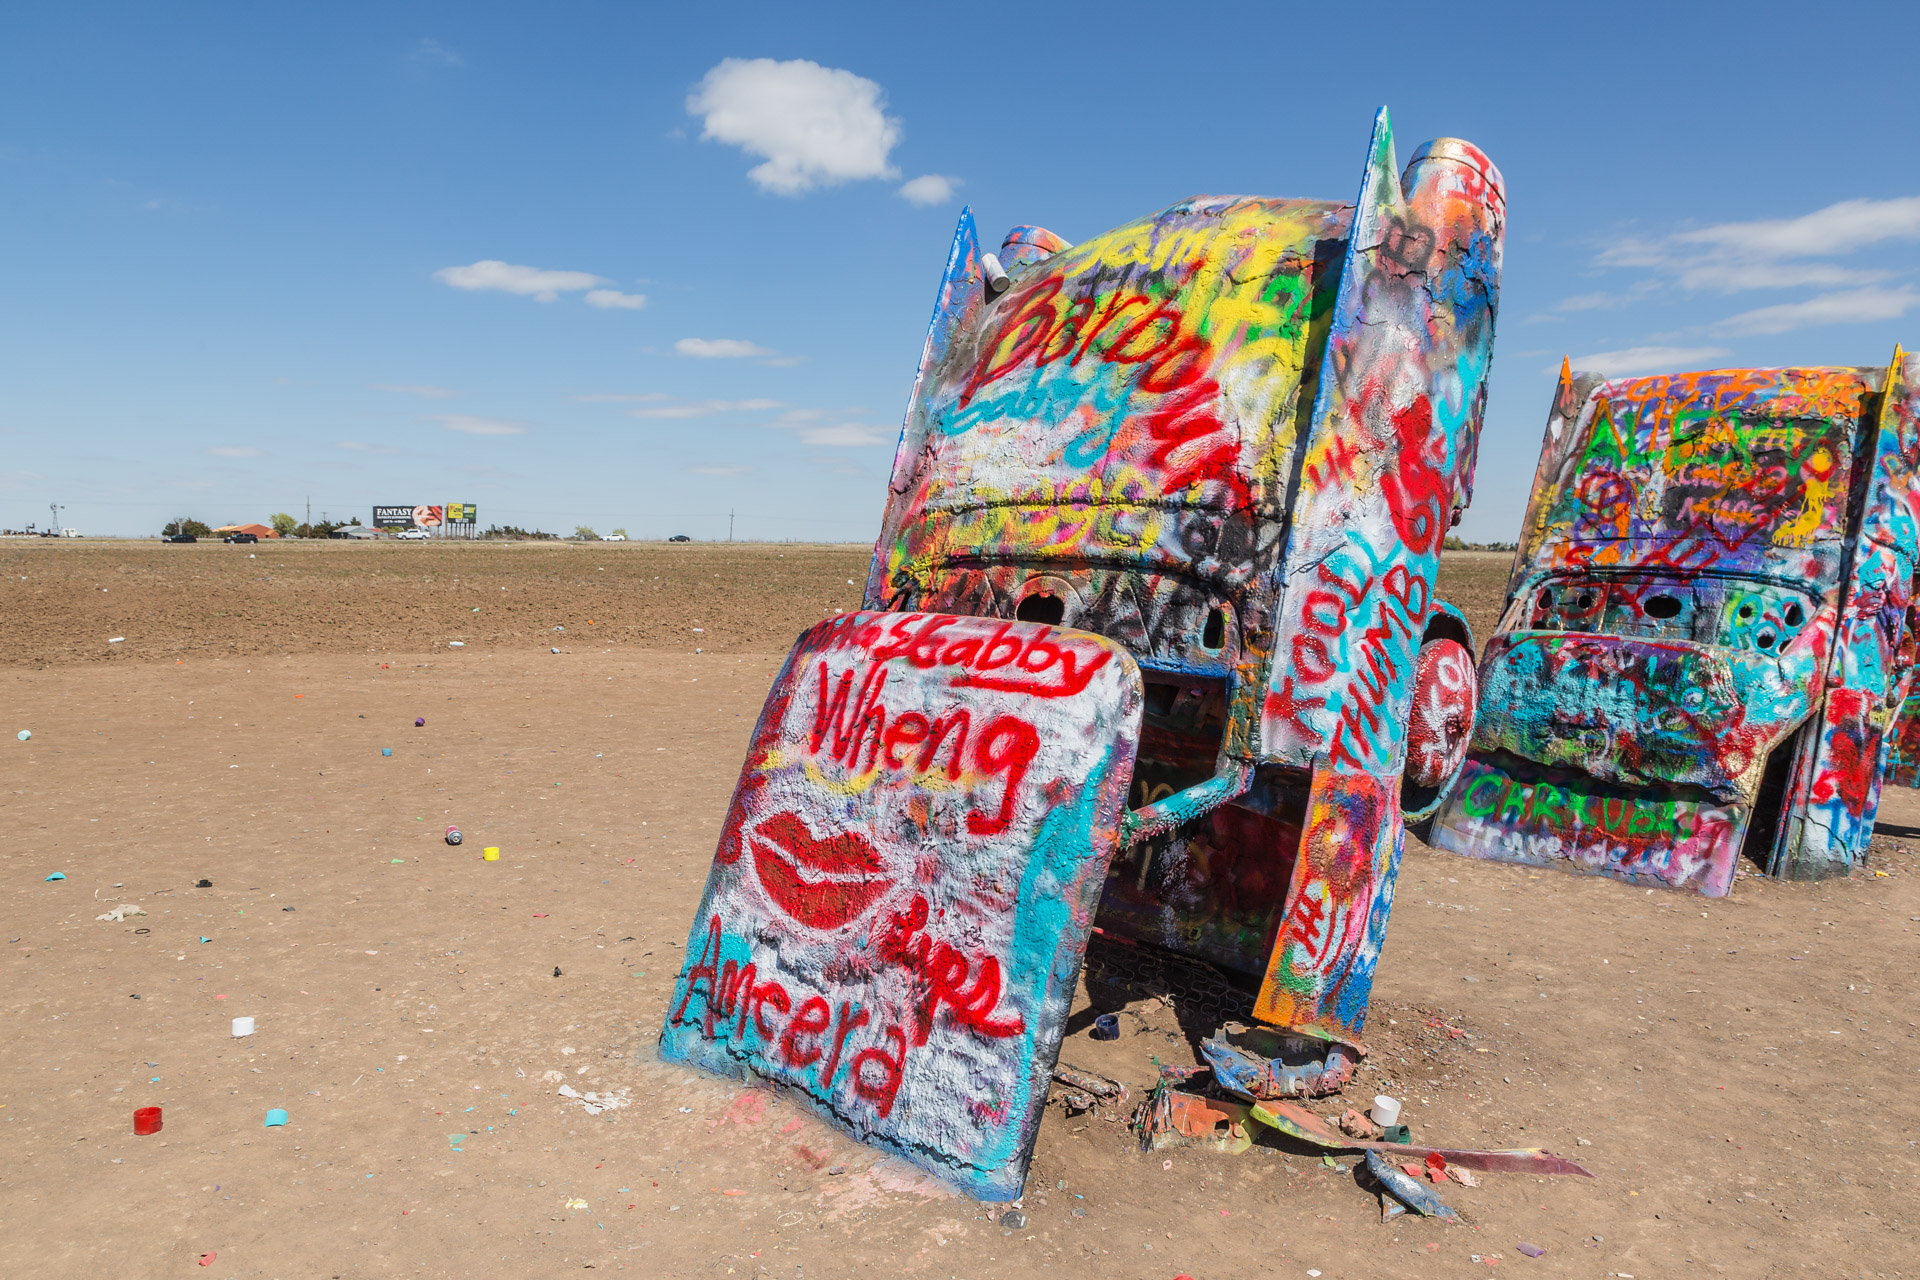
column 814, row 126
column 361, row 446
column 433, row 53
column 235, row 451
column 616, row 397
column 1854, row 306
column 1633, row 361
column 706, row 408
column 614, row 300
column 831, row 429
column 467, row 424
column 716, row 469
column 721, row 349
column 539, row 283
column 929, row 189
column 424, row 391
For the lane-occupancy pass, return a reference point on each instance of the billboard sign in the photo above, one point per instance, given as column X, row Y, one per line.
column 428, row 517
column 462, row 512
column 393, row 517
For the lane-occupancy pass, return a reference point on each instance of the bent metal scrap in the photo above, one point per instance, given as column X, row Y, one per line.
column 1707, row 631
column 1192, row 477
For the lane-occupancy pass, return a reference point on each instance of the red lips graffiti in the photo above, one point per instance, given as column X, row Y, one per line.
column 823, row 883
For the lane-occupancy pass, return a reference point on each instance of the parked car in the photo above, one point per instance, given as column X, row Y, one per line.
column 1149, row 642
column 413, row 535
column 615, row 537
column 679, row 537
column 1707, row 635
column 242, row 537
column 181, row 537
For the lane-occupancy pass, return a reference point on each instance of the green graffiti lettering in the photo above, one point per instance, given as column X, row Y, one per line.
column 1471, row 801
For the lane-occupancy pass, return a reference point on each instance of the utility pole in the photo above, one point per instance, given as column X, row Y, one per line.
column 309, row 508
column 729, row 524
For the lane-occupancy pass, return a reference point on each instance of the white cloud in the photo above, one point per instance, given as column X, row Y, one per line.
column 1837, row 229
column 505, row 277
column 720, row 348
column 437, row 54
column 1855, row 306
column 1643, row 360
column 235, row 451
column 614, row 300
column 361, row 446
column 615, row 397
column 929, row 188
column 847, row 435
column 470, row 425
column 813, row 125
column 706, row 408
column 715, row 470
column 424, row 391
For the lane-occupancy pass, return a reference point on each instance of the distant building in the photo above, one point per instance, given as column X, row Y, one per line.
column 354, row 531
column 257, row 530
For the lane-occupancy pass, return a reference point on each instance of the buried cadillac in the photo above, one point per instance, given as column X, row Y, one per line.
column 1149, row 638
column 1707, row 632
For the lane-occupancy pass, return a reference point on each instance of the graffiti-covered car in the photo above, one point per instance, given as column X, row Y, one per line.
column 1706, row 634
column 1149, row 639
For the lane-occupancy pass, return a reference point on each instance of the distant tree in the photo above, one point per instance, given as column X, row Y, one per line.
column 355, row 520
column 1453, row 542
column 510, row 531
column 283, row 524
column 585, row 534
column 621, row 532
column 187, row 525
column 318, row 529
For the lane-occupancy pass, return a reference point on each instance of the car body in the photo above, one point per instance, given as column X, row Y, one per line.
column 243, row 537
column 181, row 537
column 679, row 537
column 1707, row 633
column 615, row 537
column 413, row 535
column 1200, row 466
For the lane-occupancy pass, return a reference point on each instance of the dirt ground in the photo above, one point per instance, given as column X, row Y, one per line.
column 1740, row 1074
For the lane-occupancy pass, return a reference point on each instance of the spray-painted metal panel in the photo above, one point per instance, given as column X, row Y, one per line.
column 1707, row 629
column 904, row 886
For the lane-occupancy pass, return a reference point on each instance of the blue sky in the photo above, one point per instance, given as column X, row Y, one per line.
column 571, row 263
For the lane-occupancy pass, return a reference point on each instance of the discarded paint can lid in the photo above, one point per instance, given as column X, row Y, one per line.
column 490, row 854
column 453, row 835
column 275, row 1118
column 1106, row 1027
column 1396, row 1133
column 242, row 1027
column 146, row 1120
column 386, row 751
column 1386, row 1111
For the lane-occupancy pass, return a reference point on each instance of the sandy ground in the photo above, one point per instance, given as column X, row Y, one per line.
column 1740, row 1074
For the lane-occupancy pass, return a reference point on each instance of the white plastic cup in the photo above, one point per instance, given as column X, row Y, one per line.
column 1386, row 1111
column 244, row 1027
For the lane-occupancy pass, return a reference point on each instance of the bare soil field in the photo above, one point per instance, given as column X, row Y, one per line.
column 1740, row 1074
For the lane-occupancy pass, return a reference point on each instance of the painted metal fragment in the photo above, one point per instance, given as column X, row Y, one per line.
column 1707, row 634
column 906, row 878
column 1408, row 1191
column 1297, row 1122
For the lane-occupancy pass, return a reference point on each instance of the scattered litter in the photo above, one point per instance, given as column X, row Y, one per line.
column 206, row 940
column 24, row 734
column 576, row 1204
column 1356, row 1124
column 1407, row 1191
column 146, row 1121
column 206, row 1259
column 556, row 971
column 1106, row 1027
column 1462, row 1176
column 275, row 1118
column 455, row 1139
column 1436, row 1169
column 419, row 722
column 1531, row 1250
column 595, row 1103
column 1087, row 1082
column 116, row 640
column 454, row 836
column 203, row 884
column 491, row 853
column 1013, row 1218
column 242, row 1027
column 1386, row 1111
column 386, row 751
column 1298, row 1122
column 58, row 875
column 553, row 651
column 121, row 912
column 456, row 644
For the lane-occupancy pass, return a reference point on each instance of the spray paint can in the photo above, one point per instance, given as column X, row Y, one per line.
column 453, row 835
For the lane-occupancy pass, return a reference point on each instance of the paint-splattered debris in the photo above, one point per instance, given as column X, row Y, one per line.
column 595, row 1103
